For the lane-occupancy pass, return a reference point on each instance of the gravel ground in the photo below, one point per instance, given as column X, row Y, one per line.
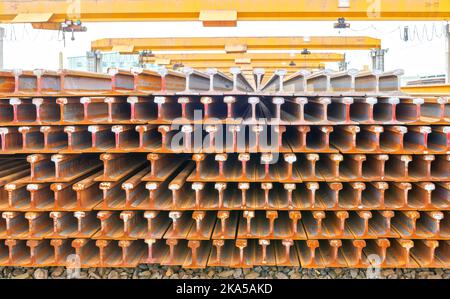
column 152, row 271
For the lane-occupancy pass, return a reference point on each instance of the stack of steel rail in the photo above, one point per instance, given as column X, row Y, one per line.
column 199, row 169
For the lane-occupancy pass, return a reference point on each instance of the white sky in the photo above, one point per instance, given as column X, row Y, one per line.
column 27, row 48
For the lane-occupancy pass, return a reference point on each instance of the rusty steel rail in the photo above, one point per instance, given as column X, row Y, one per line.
column 332, row 167
column 240, row 81
column 275, row 83
column 213, row 108
column 45, row 82
column 307, row 196
column 59, row 168
column 214, row 82
column 241, row 253
column 197, row 169
column 136, row 81
column 199, row 225
column 350, row 81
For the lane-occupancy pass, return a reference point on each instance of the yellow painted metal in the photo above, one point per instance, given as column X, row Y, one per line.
column 249, row 70
column 251, row 43
column 125, row 49
column 242, row 60
column 432, row 89
column 245, row 10
column 46, row 26
column 263, row 64
column 218, row 18
column 236, row 48
column 246, row 58
column 158, row 61
column 32, row 18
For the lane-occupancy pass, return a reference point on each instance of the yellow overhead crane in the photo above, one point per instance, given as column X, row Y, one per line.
column 69, row 15
column 250, row 69
column 235, row 44
column 427, row 89
column 246, row 58
column 247, row 62
column 263, row 64
column 237, row 47
column 219, row 13
column 267, row 71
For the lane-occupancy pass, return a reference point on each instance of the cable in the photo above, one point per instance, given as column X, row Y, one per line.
column 11, row 31
column 420, row 34
column 376, row 29
column 424, row 34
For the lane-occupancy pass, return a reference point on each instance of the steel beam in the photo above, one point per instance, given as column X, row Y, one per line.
column 225, row 13
column 248, row 58
column 230, row 44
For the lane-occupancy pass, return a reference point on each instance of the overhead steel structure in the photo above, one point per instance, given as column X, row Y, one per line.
column 247, row 58
column 236, row 44
column 269, row 65
column 219, row 13
column 237, row 47
column 69, row 16
column 249, row 70
column 435, row 89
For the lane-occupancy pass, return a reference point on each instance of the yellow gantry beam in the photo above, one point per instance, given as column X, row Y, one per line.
column 164, row 59
column 431, row 89
column 266, row 70
column 221, row 13
column 236, row 44
column 250, row 68
column 249, row 71
column 263, row 64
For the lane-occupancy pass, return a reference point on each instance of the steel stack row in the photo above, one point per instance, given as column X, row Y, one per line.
column 325, row 169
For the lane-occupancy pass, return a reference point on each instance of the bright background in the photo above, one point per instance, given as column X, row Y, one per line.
column 423, row 54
